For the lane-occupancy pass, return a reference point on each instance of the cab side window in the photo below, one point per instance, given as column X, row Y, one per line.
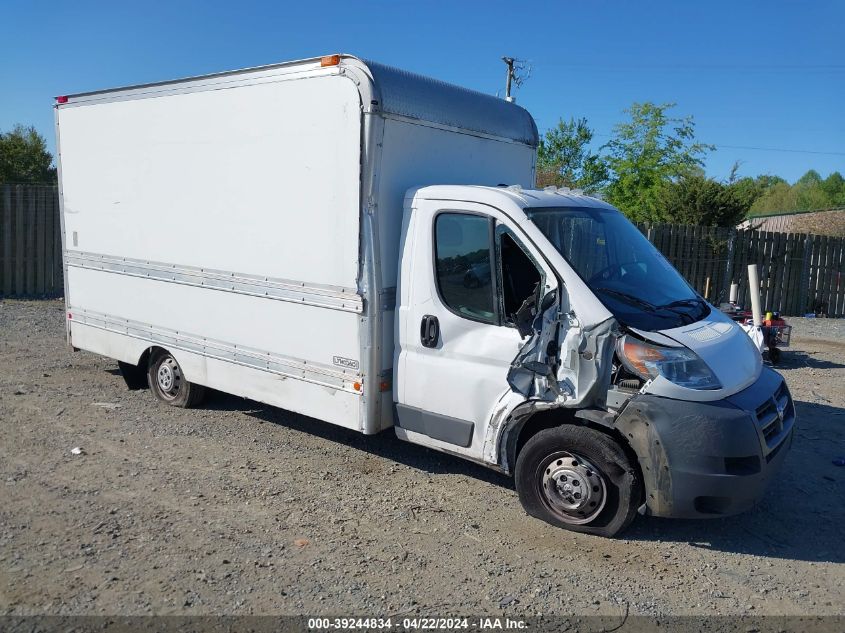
column 464, row 265
column 520, row 279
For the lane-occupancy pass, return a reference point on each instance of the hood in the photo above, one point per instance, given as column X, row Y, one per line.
column 720, row 343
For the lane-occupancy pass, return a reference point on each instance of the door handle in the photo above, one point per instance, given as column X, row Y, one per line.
column 429, row 331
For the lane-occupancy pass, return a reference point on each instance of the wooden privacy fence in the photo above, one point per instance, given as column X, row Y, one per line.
column 799, row 273
column 30, row 242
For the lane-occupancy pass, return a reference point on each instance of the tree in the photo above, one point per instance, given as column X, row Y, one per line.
column 750, row 189
column 834, row 188
column 779, row 197
column 695, row 199
column 809, row 179
column 564, row 158
column 646, row 153
column 808, row 193
column 24, row 157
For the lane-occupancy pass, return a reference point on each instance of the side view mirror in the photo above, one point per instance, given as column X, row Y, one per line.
column 524, row 317
column 548, row 301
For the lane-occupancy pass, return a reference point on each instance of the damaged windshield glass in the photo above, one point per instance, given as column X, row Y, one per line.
column 627, row 273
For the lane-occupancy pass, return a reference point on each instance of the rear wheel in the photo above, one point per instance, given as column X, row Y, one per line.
column 168, row 384
column 578, row 479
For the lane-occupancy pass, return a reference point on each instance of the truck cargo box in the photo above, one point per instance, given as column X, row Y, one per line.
column 249, row 221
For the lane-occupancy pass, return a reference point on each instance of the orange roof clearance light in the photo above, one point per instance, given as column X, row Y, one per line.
column 329, row 60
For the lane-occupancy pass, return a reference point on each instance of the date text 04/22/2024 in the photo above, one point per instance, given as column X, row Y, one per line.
column 418, row 623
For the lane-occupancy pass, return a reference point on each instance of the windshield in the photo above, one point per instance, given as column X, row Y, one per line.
column 627, row 273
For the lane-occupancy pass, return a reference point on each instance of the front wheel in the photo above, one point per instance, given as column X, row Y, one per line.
column 578, row 479
column 168, row 384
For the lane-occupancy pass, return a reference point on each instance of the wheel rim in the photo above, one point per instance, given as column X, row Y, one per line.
column 169, row 378
column 572, row 487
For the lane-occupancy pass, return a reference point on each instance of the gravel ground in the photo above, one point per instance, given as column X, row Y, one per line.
column 826, row 329
column 239, row 508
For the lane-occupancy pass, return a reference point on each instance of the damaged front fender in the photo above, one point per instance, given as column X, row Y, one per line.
column 533, row 373
column 563, row 362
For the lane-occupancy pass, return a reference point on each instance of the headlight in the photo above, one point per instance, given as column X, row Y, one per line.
column 679, row 365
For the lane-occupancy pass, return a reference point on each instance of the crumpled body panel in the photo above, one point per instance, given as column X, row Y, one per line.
column 564, row 363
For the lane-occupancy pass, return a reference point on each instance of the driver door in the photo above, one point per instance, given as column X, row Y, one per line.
column 465, row 273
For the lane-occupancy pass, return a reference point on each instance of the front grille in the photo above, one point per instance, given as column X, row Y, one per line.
column 769, row 419
column 775, row 450
column 772, row 429
column 774, row 419
column 782, row 396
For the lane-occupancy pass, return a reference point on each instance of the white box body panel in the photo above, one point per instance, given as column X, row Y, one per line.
column 229, row 180
column 241, row 174
column 334, row 405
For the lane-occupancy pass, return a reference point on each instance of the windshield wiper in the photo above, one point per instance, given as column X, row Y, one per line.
column 695, row 301
column 650, row 307
column 629, row 298
column 680, row 303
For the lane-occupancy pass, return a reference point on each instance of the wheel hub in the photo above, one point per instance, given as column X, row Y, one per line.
column 573, row 488
column 168, row 377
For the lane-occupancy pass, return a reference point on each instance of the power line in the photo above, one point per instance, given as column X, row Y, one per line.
column 685, row 67
column 780, row 149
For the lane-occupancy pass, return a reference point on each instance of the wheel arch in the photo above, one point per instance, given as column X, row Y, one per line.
column 189, row 394
column 526, row 428
column 144, row 358
column 192, row 365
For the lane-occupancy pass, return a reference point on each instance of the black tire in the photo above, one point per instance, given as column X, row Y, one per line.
column 553, row 460
column 774, row 355
column 168, row 384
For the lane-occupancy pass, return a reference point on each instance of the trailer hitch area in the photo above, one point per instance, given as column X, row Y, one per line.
column 533, row 373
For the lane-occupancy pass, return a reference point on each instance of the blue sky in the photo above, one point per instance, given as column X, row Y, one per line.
column 753, row 74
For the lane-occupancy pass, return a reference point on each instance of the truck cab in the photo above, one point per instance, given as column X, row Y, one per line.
column 540, row 333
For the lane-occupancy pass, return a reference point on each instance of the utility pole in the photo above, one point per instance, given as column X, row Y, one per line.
column 509, row 63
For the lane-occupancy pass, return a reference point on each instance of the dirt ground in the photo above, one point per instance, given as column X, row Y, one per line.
column 239, row 508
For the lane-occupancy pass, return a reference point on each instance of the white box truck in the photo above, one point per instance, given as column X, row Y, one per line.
column 363, row 245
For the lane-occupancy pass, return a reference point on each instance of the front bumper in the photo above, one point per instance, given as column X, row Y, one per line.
column 707, row 459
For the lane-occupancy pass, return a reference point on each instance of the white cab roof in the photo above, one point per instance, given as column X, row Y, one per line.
column 503, row 196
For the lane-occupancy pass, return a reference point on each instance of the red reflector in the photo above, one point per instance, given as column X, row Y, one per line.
column 69, row 315
column 61, row 99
